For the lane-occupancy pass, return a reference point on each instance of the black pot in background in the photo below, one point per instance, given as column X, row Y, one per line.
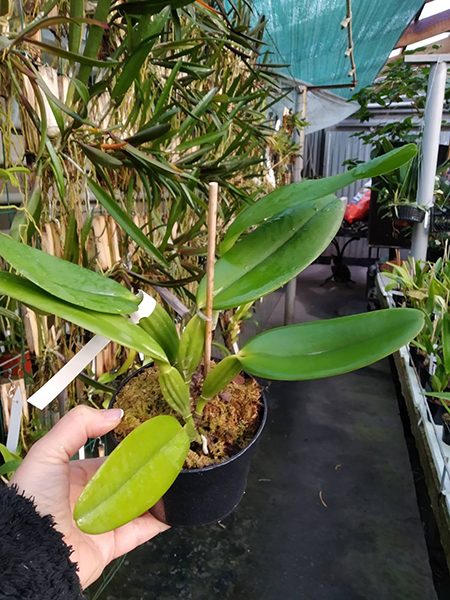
column 446, row 432
column 408, row 213
column 422, row 371
column 437, row 411
column 207, row 495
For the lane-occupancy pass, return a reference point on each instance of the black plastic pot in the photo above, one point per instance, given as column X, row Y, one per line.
column 446, row 432
column 422, row 371
column 207, row 495
column 410, row 214
column 437, row 411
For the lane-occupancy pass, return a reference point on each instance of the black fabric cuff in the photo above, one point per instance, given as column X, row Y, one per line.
column 34, row 560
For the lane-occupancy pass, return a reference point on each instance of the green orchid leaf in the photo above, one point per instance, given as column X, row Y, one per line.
column 114, row 327
column 174, row 389
column 131, row 69
column 126, row 222
column 67, row 280
column 94, row 39
column 165, row 92
column 446, row 342
column 305, row 191
column 24, row 223
column 274, row 253
column 134, row 477
column 221, row 375
column 148, row 134
column 325, row 348
column 71, row 56
column 7, row 454
column 9, row 314
column 160, row 326
column 194, row 116
column 149, row 8
column 98, row 157
column 9, row 467
column 192, row 345
column 48, row 22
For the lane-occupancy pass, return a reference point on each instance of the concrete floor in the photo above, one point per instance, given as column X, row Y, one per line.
column 330, row 511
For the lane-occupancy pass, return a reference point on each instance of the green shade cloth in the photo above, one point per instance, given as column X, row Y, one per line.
column 308, row 36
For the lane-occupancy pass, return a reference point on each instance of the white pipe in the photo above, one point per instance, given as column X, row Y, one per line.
column 430, row 148
column 291, row 287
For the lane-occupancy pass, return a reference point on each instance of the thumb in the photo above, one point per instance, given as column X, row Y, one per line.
column 73, row 430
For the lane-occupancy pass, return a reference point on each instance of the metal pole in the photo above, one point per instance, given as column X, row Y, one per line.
column 291, row 287
column 430, row 147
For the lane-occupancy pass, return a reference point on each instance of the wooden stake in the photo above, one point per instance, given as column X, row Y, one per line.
column 212, row 221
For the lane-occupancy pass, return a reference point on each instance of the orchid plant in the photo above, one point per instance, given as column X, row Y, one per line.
column 289, row 229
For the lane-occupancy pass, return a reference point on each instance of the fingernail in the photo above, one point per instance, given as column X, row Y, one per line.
column 113, row 414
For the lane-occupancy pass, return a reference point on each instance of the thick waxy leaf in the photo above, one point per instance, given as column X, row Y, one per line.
column 23, row 225
column 126, row 222
column 274, row 253
column 149, row 134
column 174, row 390
column 324, row 348
column 138, row 472
column 68, row 281
column 192, row 345
column 308, row 190
column 98, row 157
column 221, row 375
column 160, row 326
column 114, row 327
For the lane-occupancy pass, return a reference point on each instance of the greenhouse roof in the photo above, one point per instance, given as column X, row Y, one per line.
column 308, row 35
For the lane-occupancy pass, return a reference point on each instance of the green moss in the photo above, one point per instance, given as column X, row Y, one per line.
column 229, row 420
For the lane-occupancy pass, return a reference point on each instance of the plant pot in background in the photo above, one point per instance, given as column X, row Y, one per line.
column 409, row 214
column 422, row 371
column 207, row 495
column 12, row 363
column 437, row 411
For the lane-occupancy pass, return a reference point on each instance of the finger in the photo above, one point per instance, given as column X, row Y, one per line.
column 137, row 532
column 73, row 430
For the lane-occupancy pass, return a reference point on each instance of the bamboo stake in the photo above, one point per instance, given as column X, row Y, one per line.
column 212, row 222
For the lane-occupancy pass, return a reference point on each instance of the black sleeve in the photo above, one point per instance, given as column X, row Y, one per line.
column 34, row 561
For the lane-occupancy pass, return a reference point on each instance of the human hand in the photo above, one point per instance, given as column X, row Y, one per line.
column 47, row 476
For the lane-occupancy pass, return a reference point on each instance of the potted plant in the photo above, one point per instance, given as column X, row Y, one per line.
column 289, row 229
column 426, row 286
column 444, row 398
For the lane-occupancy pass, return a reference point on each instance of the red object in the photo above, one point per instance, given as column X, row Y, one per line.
column 358, row 210
column 13, row 364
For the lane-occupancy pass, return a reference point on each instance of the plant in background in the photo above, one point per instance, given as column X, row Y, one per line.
column 289, row 229
column 399, row 82
column 426, row 287
column 122, row 114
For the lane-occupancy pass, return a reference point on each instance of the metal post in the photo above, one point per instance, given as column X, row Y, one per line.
column 291, row 287
column 430, row 147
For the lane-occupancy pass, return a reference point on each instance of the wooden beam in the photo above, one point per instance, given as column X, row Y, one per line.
column 444, row 49
column 426, row 28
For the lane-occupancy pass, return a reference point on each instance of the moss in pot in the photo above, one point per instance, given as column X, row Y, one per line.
column 214, row 475
column 290, row 228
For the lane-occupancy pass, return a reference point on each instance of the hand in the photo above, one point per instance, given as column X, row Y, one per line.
column 55, row 484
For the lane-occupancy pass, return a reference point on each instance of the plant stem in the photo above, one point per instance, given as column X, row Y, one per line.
column 201, row 403
column 191, row 428
column 212, row 221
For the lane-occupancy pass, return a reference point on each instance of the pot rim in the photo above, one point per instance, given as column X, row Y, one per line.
column 228, row 460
